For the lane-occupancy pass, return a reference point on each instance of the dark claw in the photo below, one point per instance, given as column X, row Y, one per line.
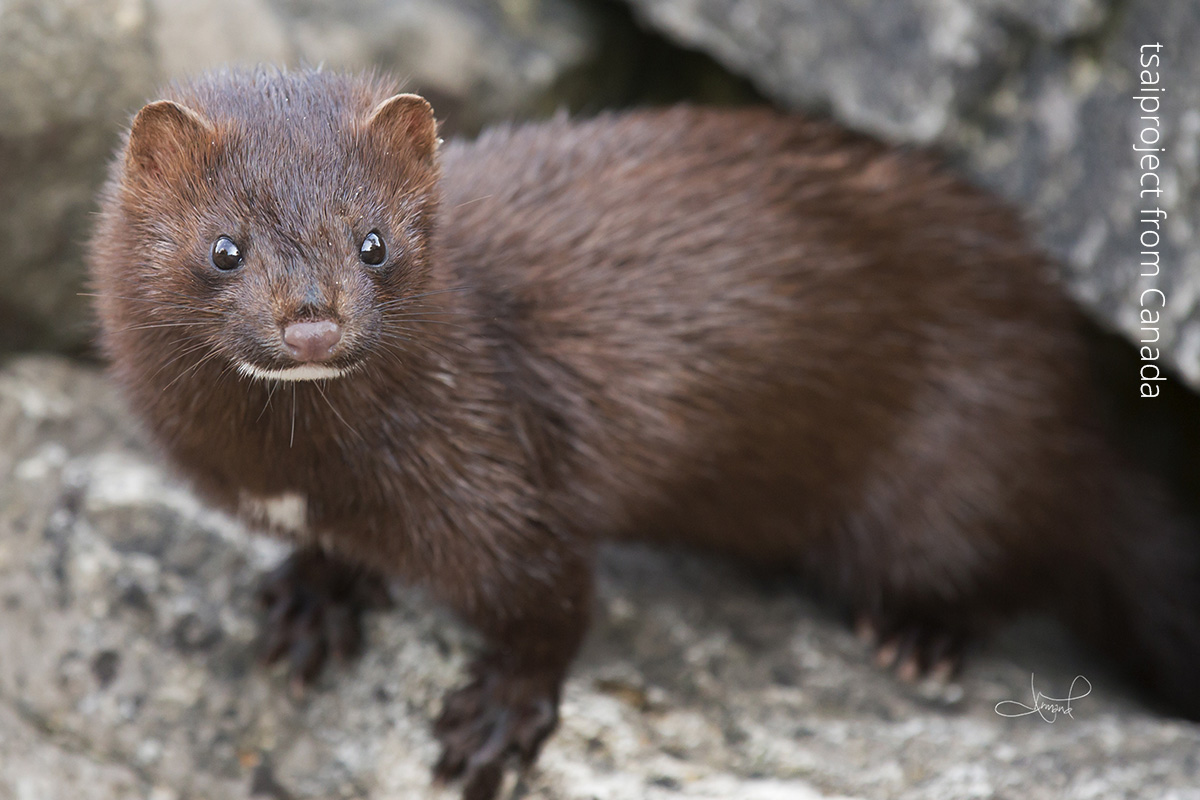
column 311, row 648
column 314, row 606
column 495, row 719
column 484, row 783
column 915, row 647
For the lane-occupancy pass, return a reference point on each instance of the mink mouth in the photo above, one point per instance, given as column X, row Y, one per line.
column 299, row 372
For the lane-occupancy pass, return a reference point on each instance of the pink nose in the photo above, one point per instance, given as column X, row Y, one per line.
column 312, row 341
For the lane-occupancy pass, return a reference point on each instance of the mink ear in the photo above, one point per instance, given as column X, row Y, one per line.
column 405, row 122
column 167, row 139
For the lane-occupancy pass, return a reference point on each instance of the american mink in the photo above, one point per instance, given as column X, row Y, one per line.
column 465, row 365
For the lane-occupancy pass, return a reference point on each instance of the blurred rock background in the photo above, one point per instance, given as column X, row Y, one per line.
column 126, row 611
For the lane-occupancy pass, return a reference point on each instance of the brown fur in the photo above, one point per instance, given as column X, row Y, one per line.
column 740, row 330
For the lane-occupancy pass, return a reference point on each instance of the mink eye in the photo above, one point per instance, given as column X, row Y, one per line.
column 372, row 250
column 226, row 255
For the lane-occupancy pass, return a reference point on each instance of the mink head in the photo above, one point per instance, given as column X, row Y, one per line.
column 271, row 223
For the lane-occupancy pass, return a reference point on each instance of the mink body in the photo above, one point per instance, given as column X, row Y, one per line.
column 738, row 330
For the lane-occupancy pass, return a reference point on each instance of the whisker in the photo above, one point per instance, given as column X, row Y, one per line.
column 412, row 298
column 430, row 321
column 271, row 387
column 395, row 335
column 153, row 325
column 391, row 308
column 415, row 300
column 469, row 202
column 338, row 414
column 190, row 370
column 439, row 291
column 406, row 304
column 155, row 302
column 183, row 295
column 186, row 352
column 225, row 372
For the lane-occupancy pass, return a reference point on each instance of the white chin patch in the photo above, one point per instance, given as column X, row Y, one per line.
column 304, row 372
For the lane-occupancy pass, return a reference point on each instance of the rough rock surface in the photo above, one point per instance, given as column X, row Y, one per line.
column 127, row 670
column 73, row 71
column 1031, row 98
column 905, row 70
column 70, row 72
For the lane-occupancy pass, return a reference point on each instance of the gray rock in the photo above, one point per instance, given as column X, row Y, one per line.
column 1031, row 98
column 903, row 70
column 70, row 72
column 906, row 70
column 127, row 668
column 73, row 71
column 1058, row 139
column 1052, row 20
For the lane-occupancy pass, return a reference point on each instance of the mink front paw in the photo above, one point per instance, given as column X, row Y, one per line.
column 314, row 604
column 496, row 718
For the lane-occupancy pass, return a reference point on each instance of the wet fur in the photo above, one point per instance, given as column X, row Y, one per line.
column 734, row 329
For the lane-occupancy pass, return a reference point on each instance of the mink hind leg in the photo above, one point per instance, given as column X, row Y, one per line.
column 314, row 605
column 1107, row 551
column 927, row 582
